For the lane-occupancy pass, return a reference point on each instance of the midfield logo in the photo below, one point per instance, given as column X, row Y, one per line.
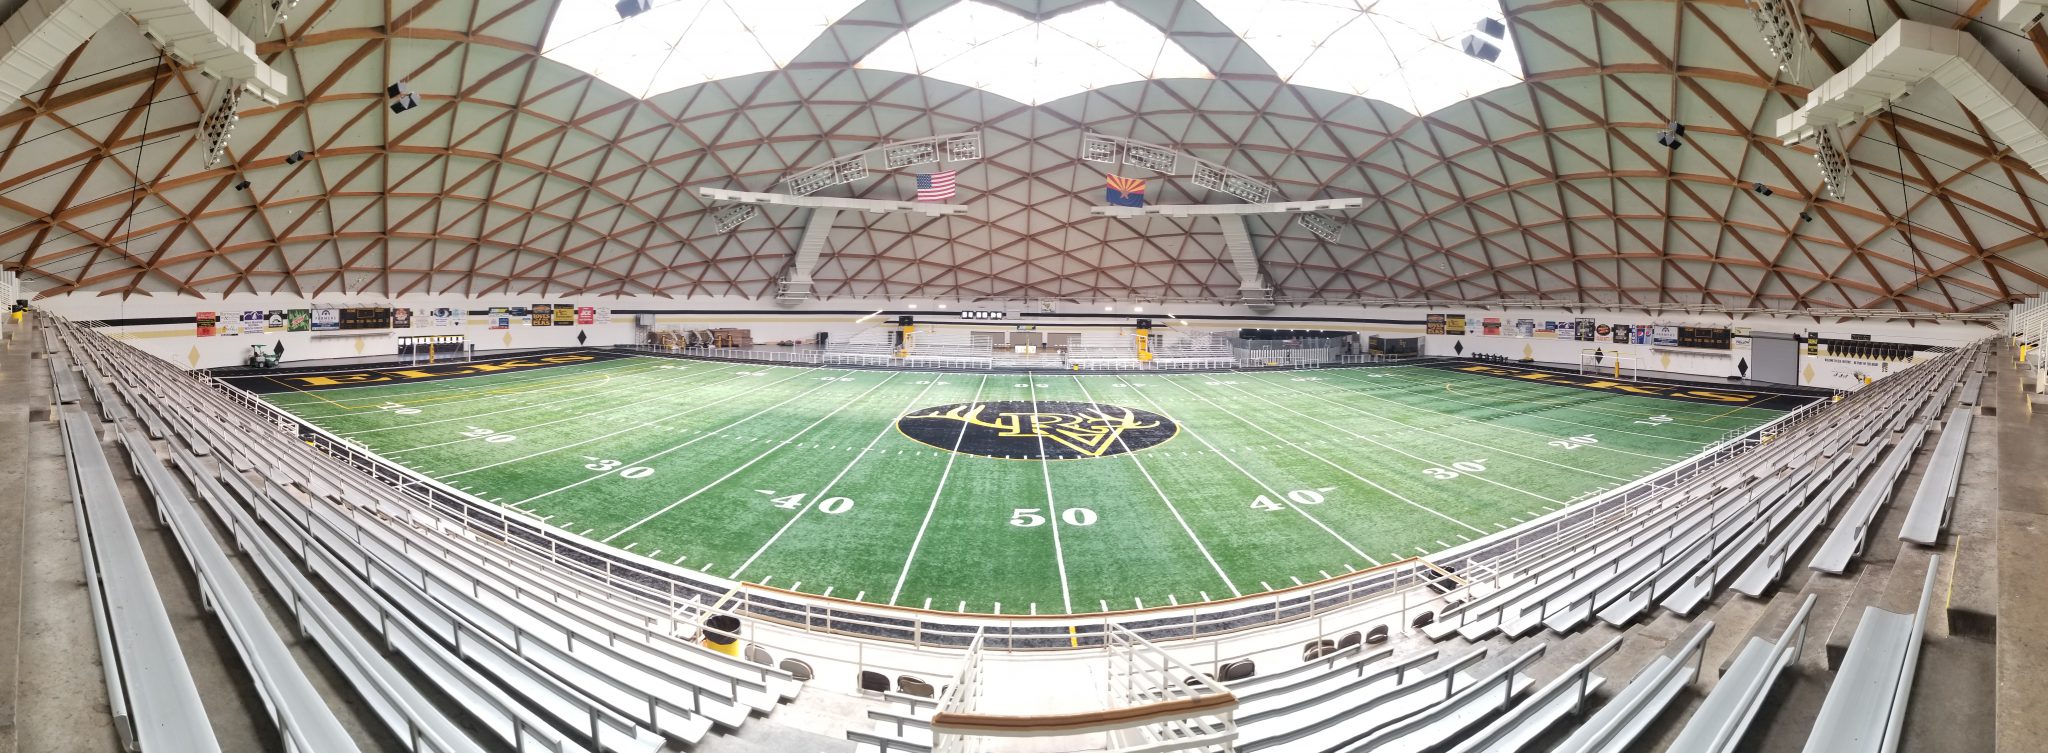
column 1041, row 430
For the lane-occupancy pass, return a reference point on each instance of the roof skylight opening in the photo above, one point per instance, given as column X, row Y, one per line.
column 995, row 49
column 679, row 43
column 1409, row 53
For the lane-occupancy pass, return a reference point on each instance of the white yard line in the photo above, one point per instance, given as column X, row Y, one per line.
column 1404, row 453
column 523, row 375
column 1163, row 498
column 583, row 416
column 1698, row 410
column 531, row 406
column 1052, row 509
column 904, row 575
column 1549, row 400
column 757, row 458
column 1272, row 494
column 887, row 426
column 622, row 466
column 1326, row 461
column 1463, row 420
column 492, row 393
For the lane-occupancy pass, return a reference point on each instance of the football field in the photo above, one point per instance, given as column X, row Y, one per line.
column 1016, row 494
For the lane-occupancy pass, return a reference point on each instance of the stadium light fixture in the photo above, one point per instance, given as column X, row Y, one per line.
column 1672, row 137
column 1760, row 188
column 631, row 8
column 295, row 157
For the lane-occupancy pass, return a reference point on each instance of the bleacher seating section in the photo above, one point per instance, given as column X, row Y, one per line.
column 531, row 659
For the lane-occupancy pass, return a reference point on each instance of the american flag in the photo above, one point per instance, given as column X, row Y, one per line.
column 935, row 186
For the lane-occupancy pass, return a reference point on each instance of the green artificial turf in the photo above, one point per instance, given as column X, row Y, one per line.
column 801, row 479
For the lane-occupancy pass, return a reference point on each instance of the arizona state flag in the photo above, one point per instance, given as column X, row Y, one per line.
column 1126, row 192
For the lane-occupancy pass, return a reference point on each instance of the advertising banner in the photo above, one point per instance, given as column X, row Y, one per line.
column 401, row 318
column 1586, row 330
column 253, row 321
column 501, row 317
column 1490, row 326
column 1454, row 324
column 1525, row 328
column 298, row 320
column 230, row 323
column 327, row 320
column 1434, row 325
column 565, row 315
column 543, row 314
column 604, row 316
column 586, row 315
column 206, row 321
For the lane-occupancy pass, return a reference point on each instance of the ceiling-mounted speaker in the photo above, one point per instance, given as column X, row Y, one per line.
column 1676, row 128
column 242, row 185
column 1669, row 140
column 295, row 157
column 1760, row 188
column 1493, row 27
column 405, row 102
column 631, row 8
column 396, row 88
column 1805, row 216
column 1482, row 49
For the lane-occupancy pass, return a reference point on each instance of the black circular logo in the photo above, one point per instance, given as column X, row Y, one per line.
column 1037, row 430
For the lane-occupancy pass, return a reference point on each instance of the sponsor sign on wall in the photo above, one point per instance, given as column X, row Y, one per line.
column 205, row 322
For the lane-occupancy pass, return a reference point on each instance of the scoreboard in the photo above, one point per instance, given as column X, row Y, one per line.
column 1713, row 338
column 366, row 318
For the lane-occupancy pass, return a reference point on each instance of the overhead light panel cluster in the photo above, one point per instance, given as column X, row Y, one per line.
column 220, row 122
column 1324, row 227
column 1834, row 164
column 1783, row 30
column 734, row 216
column 984, row 314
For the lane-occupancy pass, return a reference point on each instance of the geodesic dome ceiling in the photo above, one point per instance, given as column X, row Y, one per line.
column 558, row 151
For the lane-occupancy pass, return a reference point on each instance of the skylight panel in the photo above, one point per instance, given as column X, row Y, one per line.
column 992, row 48
column 679, row 43
column 1404, row 52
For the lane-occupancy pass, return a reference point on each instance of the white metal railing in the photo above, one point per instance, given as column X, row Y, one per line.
column 1391, row 593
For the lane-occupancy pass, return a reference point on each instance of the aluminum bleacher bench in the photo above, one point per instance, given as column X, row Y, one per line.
column 1522, row 725
column 304, row 720
column 1936, row 495
column 1717, row 725
column 1771, row 564
column 1340, row 716
column 1616, row 725
column 63, row 381
column 390, row 694
column 1973, row 388
column 1865, row 710
column 1846, row 540
column 1466, row 708
column 150, row 692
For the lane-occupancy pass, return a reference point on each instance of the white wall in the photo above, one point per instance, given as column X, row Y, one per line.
column 1825, row 371
column 177, row 343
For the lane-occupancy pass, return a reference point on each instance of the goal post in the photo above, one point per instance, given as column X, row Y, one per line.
column 1609, row 364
